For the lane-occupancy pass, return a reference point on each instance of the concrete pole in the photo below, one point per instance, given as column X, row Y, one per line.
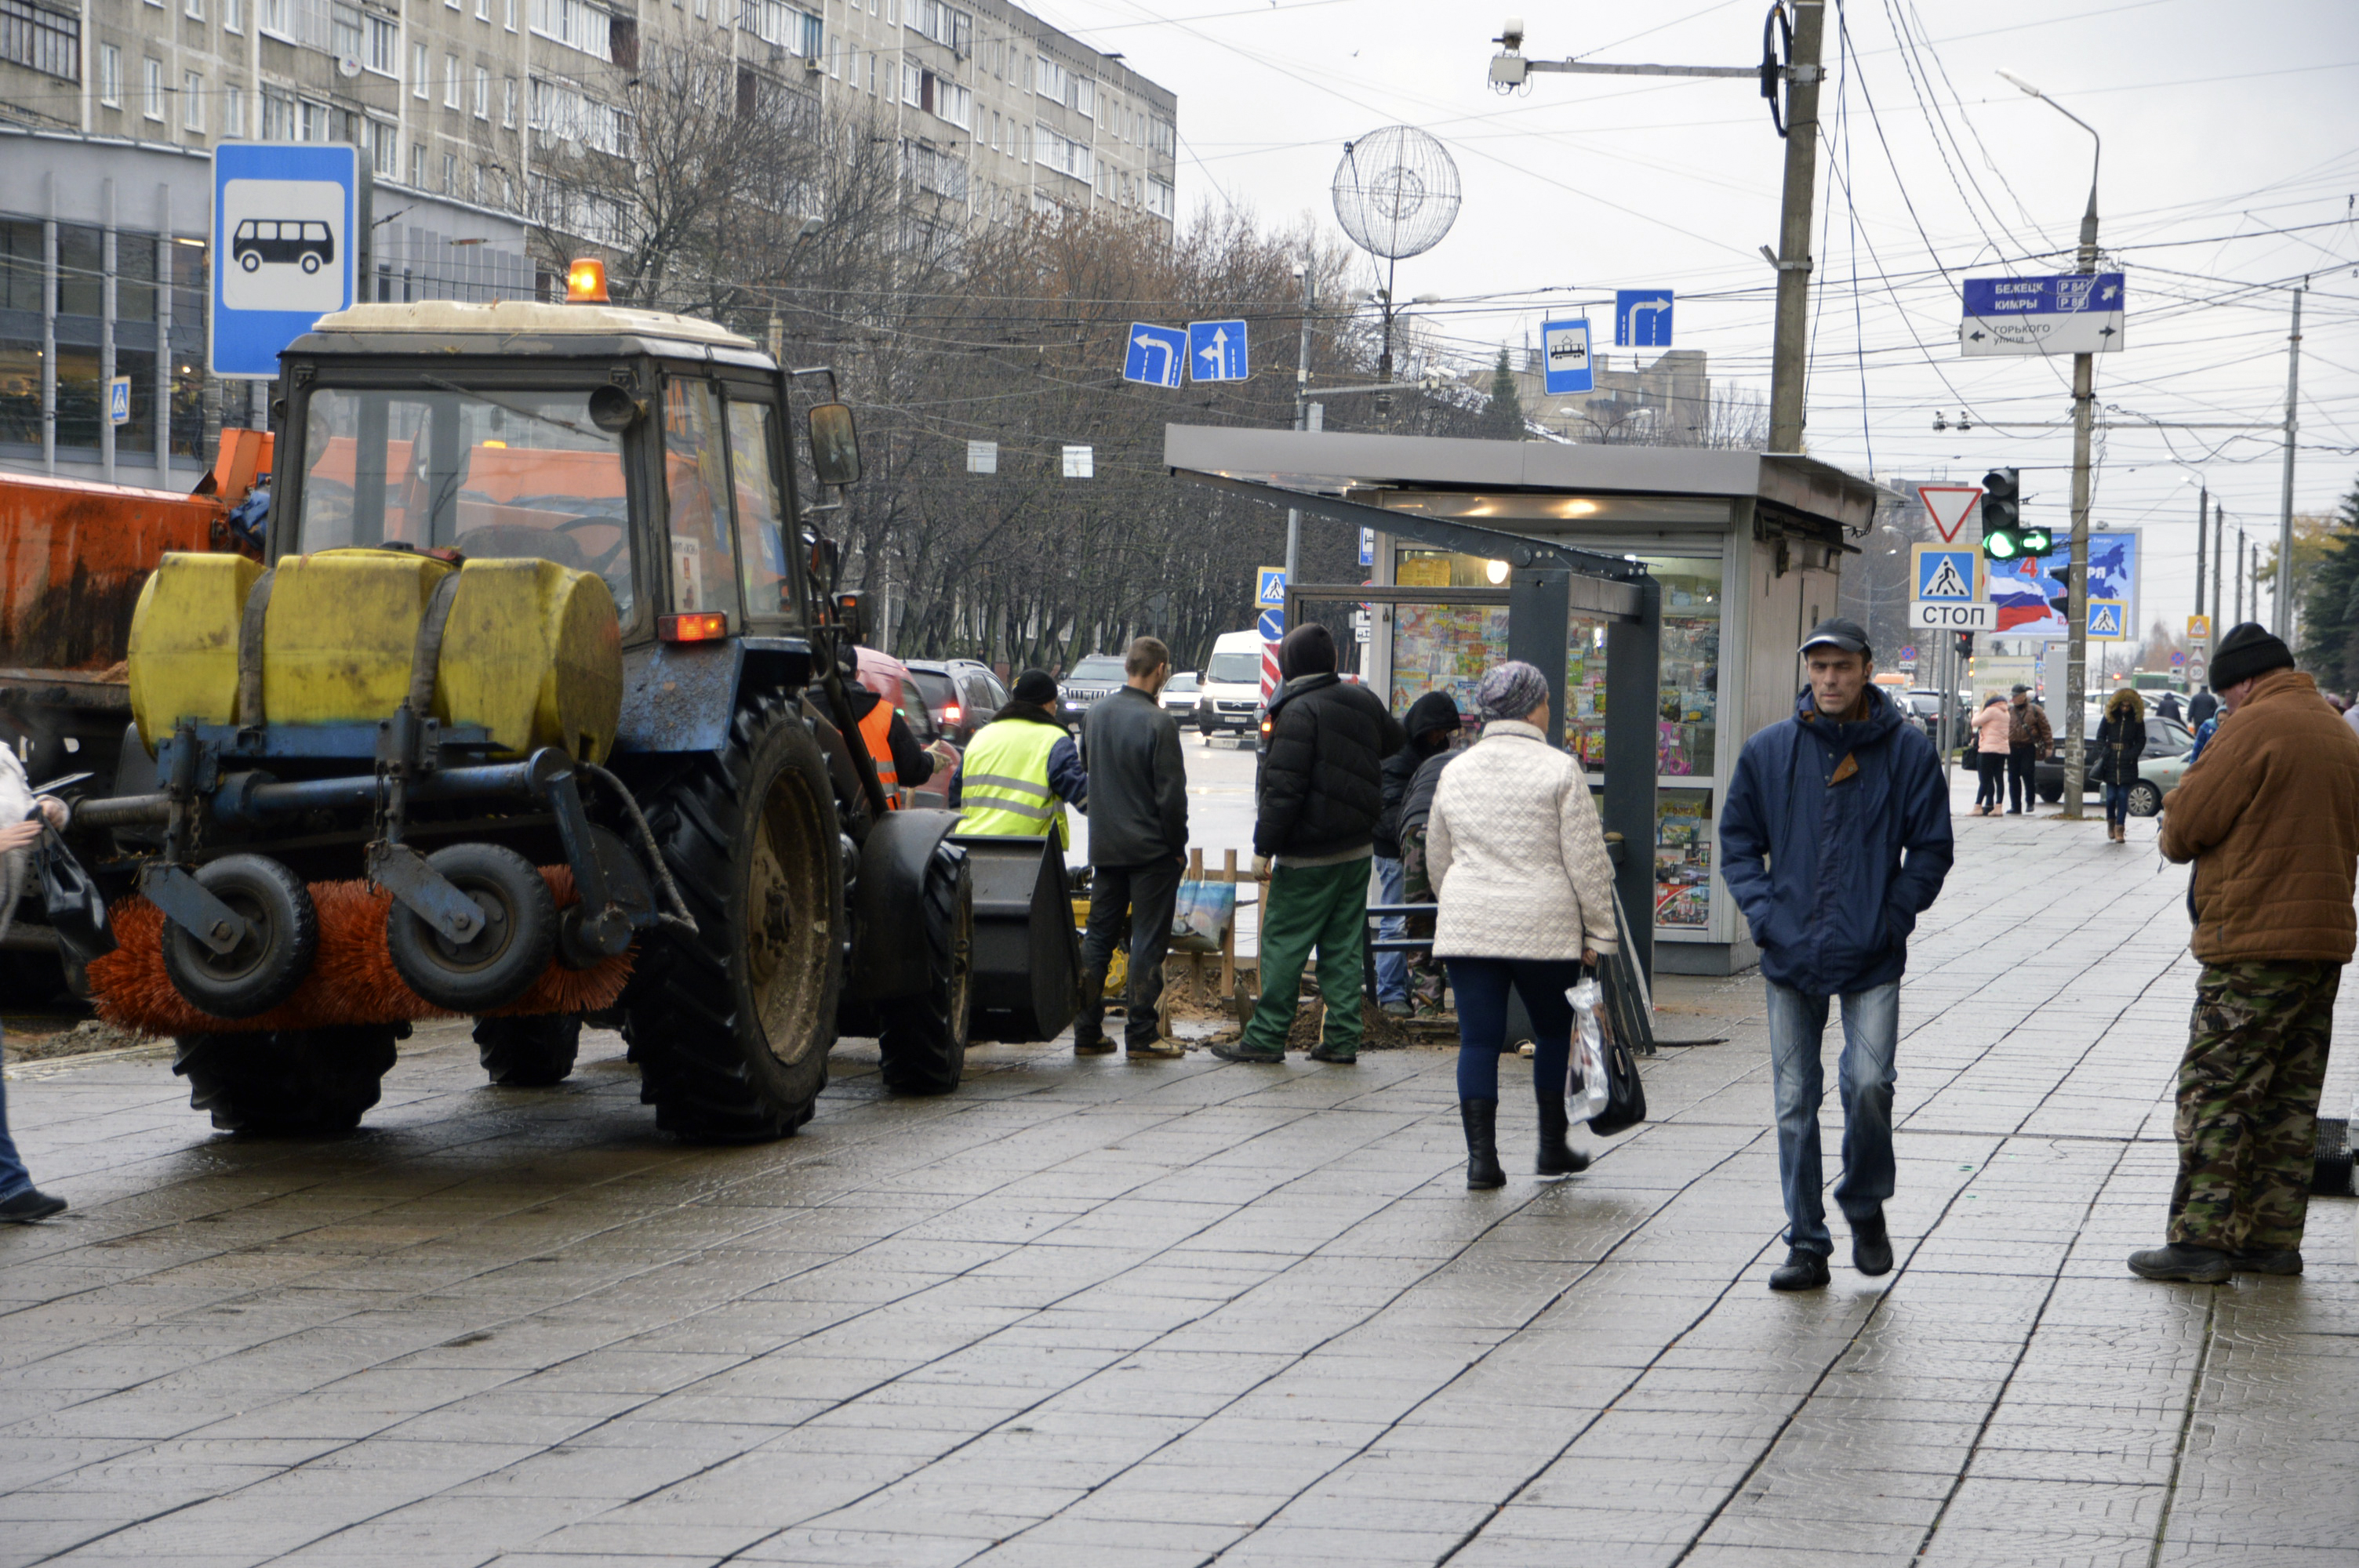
column 2280, row 619
column 2219, row 554
column 1302, row 384
column 2241, row 616
column 2202, row 513
column 1790, row 346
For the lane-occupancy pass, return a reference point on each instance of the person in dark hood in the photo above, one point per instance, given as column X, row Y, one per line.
column 1432, row 724
column 1834, row 838
column 1321, row 792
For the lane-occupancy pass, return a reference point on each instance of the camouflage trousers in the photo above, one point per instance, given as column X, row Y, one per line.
column 2248, row 1091
column 1426, row 975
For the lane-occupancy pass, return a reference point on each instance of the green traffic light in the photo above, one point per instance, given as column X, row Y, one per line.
column 2038, row 542
column 2001, row 546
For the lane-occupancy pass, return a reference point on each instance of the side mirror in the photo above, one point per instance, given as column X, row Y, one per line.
column 851, row 616
column 834, row 444
column 614, row 410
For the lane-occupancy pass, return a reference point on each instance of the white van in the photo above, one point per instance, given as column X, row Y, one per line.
column 1230, row 693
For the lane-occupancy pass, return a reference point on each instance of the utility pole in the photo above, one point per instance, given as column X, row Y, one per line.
column 1789, row 348
column 2279, row 613
column 1302, row 384
column 2202, row 512
column 2219, row 551
column 2241, row 616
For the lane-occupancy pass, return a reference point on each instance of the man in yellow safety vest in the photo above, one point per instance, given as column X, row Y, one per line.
column 1022, row 769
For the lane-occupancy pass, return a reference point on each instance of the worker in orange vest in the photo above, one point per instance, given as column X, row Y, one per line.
column 902, row 764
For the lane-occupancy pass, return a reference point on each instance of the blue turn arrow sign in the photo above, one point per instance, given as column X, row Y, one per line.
column 1154, row 355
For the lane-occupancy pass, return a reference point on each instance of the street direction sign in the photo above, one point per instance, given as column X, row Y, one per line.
column 1642, row 318
column 1564, row 347
column 1269, row 587
column 2077, row 313
column 1367, row 546
column 289, row 223
column 2199, row 629
column 1272, row 625
column 1216, row 350
column 1946, row 617
column 1947, row 576
column 1154, row 355
column 1949, row 505
column 118, row 401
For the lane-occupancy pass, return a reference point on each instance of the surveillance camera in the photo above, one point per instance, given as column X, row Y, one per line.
column 1511, row 36
column 1298, row 274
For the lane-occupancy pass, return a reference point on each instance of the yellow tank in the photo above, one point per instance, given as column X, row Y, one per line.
column 532, row 651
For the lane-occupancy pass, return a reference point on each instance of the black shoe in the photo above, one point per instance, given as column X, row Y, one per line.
column 1800, row 1272
column 2264, row 1261
column 1871, row 1245
column 1557, row 1159
column 33, row 1204
column 1340, row 1055
column 1481, row 1117
column 1238, row 1051
column 1093, row 1043
column 2196, row 1265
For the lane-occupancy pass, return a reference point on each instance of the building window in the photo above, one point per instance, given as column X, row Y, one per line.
column 383, row 55
column 384, row 147
column 417, row 69
column 312, row 122
column 233, row 16
column 41, row 39
column 195, row 10
column 192, row 102
column 512, row 19
column 152, row 83
column 344, row 31
column 418, row 165
column 276, row 18
column 580, row 25
column 483, row 93
column 483, row 10
column 450, row 174
column 277, row 116
column 1158, row 197
column 110, row 76
column 233, row 111
column 507, row 103
column 450, row 81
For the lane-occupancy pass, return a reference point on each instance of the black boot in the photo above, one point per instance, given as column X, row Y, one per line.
column 1800, row 1272
column 1871, row 1245
column 1481, row 1119
column 1089, row 1024
column 1557, row 1158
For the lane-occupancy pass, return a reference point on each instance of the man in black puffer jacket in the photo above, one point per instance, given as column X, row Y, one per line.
column 1322, row 793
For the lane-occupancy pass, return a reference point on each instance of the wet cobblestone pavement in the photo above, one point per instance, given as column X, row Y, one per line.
column 1099, row 1314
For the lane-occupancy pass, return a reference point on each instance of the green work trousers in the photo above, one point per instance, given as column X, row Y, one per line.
column 1325, row 907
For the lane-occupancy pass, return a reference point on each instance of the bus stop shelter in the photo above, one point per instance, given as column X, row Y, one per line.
column 1663, row 589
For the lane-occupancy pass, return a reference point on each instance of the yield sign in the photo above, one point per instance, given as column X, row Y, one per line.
column 1950, row 505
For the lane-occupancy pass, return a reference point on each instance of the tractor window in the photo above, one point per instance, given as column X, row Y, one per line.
column 761, row 542
column 499, row 472
column 696, row 477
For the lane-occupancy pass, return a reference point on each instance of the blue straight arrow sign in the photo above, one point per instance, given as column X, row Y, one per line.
column 1216, row 350
column 1153, row 356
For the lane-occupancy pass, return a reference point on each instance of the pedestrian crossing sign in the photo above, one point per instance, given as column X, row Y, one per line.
column 1945, row 575
column 2109, row 620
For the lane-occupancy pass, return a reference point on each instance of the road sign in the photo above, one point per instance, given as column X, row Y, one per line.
column 1948, row 617
column 1271, row 625
column 1154, row 355
column 2078, row 313
column 1946, row 575
column 2177, row 658
column 2199, row 670
column 1080, row 462
column 118, row 401
column 1908, row 653
column 1949, row 505
column 289, row 223
column 1269, row 587
column 1565, row 347
column 1642, row 318
column 2199, row 629
column 1367, row 546
column 1216, row 350
column 983, row 457
column 2108, row 621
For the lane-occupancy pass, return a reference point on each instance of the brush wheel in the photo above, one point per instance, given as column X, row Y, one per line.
column 500, row 962
column 282, row 936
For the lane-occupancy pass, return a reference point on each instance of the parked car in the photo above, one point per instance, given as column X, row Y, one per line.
column 1179, row 696
column 2160, row 766
column 962, row 694
column 891, row 679
column 1100, row 674
column 1229, row 695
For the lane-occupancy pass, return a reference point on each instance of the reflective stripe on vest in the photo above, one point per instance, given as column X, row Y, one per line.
column 876, row 734
column 1003, row 786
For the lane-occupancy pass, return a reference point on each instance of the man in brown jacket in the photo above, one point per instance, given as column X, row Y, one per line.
column 2028, row 740
column 2270, row 817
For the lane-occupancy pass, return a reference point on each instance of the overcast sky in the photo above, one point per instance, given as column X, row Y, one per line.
column 2220, row 122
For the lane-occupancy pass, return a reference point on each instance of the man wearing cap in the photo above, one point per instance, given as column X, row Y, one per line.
column 2270, row 817
column 1138, row 847
column 1834, row 838
column 1022, row 769
column 2028, row 738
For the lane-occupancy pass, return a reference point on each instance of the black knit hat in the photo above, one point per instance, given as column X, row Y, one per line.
column 2246, row 651
column 1036, row 687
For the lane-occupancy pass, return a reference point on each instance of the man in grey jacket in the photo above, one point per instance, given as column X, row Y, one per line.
column 1138, row 847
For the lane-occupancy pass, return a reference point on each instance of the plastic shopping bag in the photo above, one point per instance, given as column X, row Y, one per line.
column 1584, row 1076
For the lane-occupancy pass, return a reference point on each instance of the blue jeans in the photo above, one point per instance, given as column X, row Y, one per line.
column 1392, row 967
column 1871, row 1026
column 14, row 1178
column 1482, row 985
column 2118, row 805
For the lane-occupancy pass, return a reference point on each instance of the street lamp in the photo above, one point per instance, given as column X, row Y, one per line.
column 2084, row 377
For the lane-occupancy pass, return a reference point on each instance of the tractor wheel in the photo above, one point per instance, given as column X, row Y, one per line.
column 528, row 1053
column 731, row 1027
column 922, row 1047
column 288, row 1082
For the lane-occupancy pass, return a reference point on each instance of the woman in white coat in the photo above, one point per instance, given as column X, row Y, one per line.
column 1525, row 891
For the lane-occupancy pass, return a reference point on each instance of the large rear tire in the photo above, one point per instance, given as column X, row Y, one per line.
column 528, row 1053
column 922, row 1047
column 732, row 1026
column 288, row 1082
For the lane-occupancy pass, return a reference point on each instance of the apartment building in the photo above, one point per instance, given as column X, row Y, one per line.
column 480, row 120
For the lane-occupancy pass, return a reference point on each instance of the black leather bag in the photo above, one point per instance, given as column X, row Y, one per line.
column 1626, row 1092
column 77, row 910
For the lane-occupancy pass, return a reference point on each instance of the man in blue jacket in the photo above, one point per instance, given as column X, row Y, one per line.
column 1834, row 838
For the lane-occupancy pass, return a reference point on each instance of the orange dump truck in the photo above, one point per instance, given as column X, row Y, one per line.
column 73, row 555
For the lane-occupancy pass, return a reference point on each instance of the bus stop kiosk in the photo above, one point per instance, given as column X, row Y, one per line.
column 1665, row 590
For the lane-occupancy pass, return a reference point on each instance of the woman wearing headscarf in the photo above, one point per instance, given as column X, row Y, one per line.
column 2121, row 741
column 1991, row 744
column 1526, row 891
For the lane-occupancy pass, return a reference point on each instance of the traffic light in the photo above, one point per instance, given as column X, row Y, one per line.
column 2003, row 530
